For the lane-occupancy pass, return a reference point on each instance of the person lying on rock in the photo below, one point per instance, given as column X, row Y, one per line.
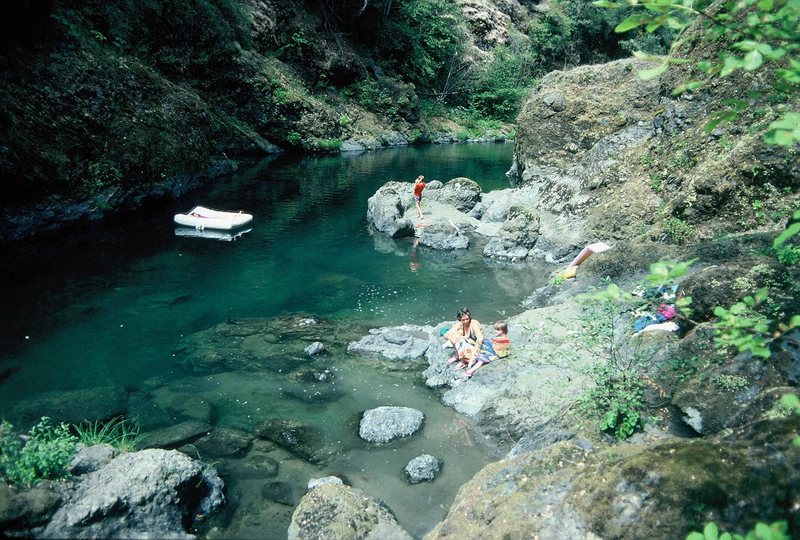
column 465, row 335
column 499, row 346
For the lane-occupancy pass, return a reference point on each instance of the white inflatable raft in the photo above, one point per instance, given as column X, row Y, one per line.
column 206, row 218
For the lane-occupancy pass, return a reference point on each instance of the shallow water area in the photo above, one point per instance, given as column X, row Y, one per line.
column 107, row 307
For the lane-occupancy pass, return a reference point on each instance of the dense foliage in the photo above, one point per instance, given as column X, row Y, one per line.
column 43, row 455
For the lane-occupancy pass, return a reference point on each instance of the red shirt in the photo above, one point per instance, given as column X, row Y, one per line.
column 418, row 187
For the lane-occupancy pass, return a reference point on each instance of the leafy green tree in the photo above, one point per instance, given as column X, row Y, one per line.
column 425, row 40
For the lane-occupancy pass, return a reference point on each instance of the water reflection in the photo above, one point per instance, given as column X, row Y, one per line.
column 210, row 234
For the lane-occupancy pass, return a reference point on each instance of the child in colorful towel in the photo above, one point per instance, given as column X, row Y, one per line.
column 492, row 349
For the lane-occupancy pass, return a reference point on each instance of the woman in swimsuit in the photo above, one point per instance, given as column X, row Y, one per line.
column 466, row 336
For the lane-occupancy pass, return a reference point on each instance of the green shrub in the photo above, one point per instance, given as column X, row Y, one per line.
column 788, row 255
column 294, row 138
column 678, row 230
column 618, row 397
column 655, row 183
column 118, row 432
column 44, row 455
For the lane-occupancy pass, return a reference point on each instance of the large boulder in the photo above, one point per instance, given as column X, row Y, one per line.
column 725, row 284
column 571, row 146
column 344, row 513
column 386, row 210
column 461, row 193
column 384, row 424
column 147, row 494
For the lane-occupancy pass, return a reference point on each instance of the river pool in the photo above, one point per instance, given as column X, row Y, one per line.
column 105, row 306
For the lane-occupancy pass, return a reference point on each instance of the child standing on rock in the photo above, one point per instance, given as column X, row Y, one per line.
column 419, row 185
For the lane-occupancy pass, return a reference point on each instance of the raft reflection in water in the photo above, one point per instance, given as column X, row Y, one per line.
column 210, row 233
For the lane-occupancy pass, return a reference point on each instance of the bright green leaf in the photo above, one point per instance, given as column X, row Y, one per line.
column 711, row 532
column 791, row 401
column 647, row 74
column 730, row 64
column 634, row 21
column 753, row 60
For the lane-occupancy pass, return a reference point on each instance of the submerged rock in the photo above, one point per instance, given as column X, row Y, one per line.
column 221, row 442
column 276, row 344
column 314, row 349
column 424, row 468
column 385, row 424
column 71, row 406
column 279, row 492
column 338, row 511
column 176, row 435
column 300, row 439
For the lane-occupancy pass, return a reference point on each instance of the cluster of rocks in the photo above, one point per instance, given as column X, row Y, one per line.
column 506, row 219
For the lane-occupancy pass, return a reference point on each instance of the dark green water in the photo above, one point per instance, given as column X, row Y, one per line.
column 106, row 307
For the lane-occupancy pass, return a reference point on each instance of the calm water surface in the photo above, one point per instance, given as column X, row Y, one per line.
column 106, row 307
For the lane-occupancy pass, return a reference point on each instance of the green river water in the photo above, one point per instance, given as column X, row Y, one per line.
column 106, row 307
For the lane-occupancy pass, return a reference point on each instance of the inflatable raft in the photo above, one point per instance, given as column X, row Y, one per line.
column 206, row 218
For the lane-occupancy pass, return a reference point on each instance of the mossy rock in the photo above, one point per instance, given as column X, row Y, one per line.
column 630, row 492
column 726, row 284
column 670, row 489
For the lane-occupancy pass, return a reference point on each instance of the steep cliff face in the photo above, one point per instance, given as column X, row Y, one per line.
column 621, row 158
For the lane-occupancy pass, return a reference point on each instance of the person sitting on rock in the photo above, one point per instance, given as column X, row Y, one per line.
column 499, row 346
column 465, row 336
